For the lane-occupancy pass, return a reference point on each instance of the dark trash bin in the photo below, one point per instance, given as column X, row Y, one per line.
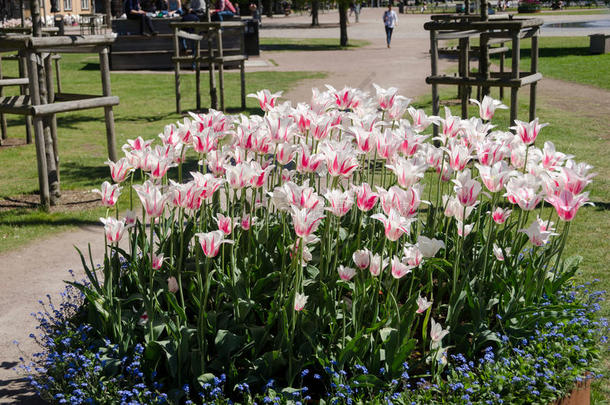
column 58, row 21
column 251, row 43
column 460, row 7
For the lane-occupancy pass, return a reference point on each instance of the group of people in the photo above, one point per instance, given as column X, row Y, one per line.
column 134, row 10
column 224, row 9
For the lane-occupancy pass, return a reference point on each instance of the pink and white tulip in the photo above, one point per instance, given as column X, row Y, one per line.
column 429, row 247
column 157, row 261
column 567, row 203
column 120, row 170
column 266, row 99
column 362, row 258
column 113, row 229
column 305, row 222
column 340, row 202
column 487, row 107
column 110, row 193
column 210, row 242
column 528, row 131
column 467, row 190
column 300, row 300
column 500, row 215
column 422, row 304
column 153, row 200
column 365, row 197
column 225, row 224
column 394, row 224
column 346, row 273
column 399, row 269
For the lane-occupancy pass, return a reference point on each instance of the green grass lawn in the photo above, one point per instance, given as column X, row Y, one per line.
column 147, row 105
column 308, row 44
column 568, row 58
column 564, row 58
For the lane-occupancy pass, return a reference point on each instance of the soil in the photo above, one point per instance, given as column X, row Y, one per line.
column 70, row 200
column 31, row 272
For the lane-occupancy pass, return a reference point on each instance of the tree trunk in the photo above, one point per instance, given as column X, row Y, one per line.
column 268, row 6
column 108, row 6
column 343, row 22
column 315, row 7
column 36, row 21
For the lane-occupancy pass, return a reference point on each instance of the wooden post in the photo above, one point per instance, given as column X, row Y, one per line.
column 464, row 66
column 108, row 113
column 221, row 79
column 211, row 67
column 52, row 119
column 502, row 60
column 43, row 181
column 242, row 67
column 514, row 107
column 23, row 72
column 3, row 129
column 177, row 70
column 484, row 59
column 108, row 6
column 58, row 74
column 484, row 12
column 434, row 72
column 534, row 69
column 22, row 12
column 198, row 76
column 36, row 23
column 49, row 145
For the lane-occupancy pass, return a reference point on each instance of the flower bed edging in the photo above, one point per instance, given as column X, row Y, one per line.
column 580, row 395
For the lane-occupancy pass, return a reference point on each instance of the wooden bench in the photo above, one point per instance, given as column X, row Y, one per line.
column 216, row 53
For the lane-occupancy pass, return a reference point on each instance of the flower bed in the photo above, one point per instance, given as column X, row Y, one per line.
column 529, row 6
column 333, row 251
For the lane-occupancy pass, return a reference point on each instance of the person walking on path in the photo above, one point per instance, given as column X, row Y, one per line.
column 389, row 20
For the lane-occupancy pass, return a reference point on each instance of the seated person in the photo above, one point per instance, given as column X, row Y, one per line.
column 224, row 9
column 189, row 16
column 198, row 6
column 135, row 12
column 174, row 7
column 254, row 13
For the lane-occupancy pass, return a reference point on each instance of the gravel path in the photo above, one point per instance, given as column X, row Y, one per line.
column 31, row 272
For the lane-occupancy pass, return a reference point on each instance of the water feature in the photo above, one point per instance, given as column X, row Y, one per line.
column 580, row 24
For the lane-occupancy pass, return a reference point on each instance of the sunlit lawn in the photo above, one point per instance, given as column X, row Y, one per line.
column 147, row 104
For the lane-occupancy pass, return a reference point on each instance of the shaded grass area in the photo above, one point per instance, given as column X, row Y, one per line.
column 584, row 138
column 594, row 11
column 564, row 58
column 147, row 104
column 308, row 44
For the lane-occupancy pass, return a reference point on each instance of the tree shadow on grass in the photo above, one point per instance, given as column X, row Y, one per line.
column 546, row 52
column 91, row 66
column 304, row 47
column 72, row 172
column 601, row 206
column 22, row 217
column 550, row 52
column 299, row 26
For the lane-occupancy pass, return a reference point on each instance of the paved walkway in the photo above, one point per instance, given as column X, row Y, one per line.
column 29, row 273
